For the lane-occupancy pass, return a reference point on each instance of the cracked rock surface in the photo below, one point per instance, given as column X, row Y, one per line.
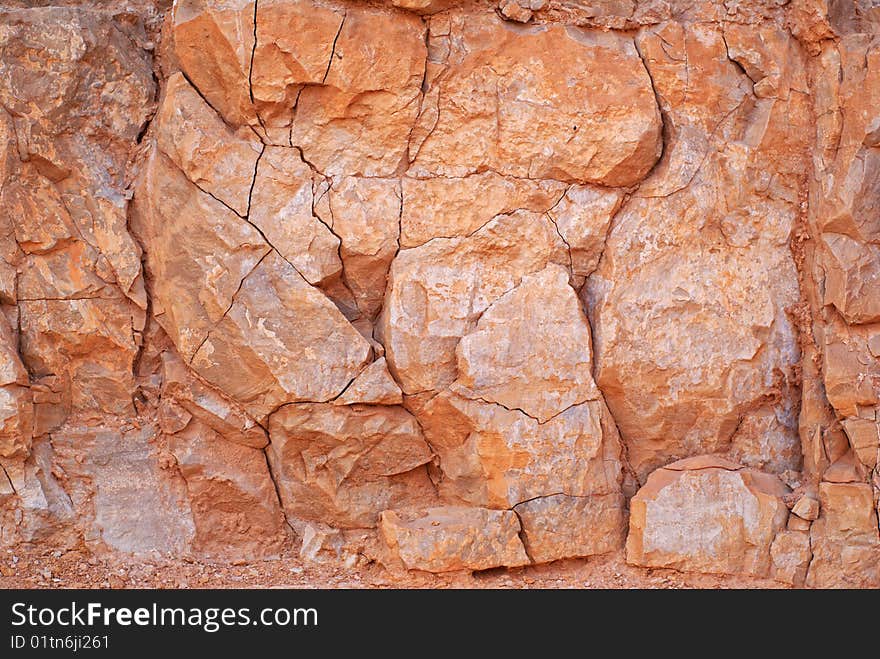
column 443, row 285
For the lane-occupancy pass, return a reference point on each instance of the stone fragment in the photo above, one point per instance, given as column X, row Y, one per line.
column 706, row 514
column 238, row 312
column 852, row 278
column 139, row 501
column 217, row 159
column 295, row 42
column 864, row 437
column 424, row 6
column 491, row 456
column 358, row 119
column 198, row 251
column 214, row 42
column 182, row 388
column 453, row 538
column 507, row 103
column 560, row 526
column 806, row 508
column 582, row 217
column 513, row 10
column 374, row 386
column 344, row 465
column 849, row 368
column 280, row 341
column 561, row 128
column 844, row 539
column 16, row 401
column 365, row 215
column 845, row 469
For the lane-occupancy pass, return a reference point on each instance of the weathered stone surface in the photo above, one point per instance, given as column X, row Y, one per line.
column 217, row 159
column 790, row 553
column 437, row 292
column 213, row 42
column 449, row 207
column 453, row 538
column 360, row 120
column 373, row 386
column 16, row 401
column 806, row 508
column 76, row 92
column 185, row 396
column 365, row 215
column 706, row 514
column 280, row 341
column 530, row 350
column 478, row 268
column 688, row 304
column 845, row 540
column 237, row 311
column 283, row 203
column 849, row 367
column 234, row 505
column 495, row 457
column 139, row 501
column 504, row 99
column 344, row 465
column 583, row 217
column 560, row 526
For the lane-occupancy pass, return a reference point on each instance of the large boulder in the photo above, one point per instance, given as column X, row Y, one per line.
column 706, row 514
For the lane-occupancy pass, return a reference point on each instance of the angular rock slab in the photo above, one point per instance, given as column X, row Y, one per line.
column 560, row 526
column 453, row 538
column 343, row 465
column 507, row 100
column 232, row 496
column 217, row 159
column 531, row 350
column 706, row 514
column 495, row 457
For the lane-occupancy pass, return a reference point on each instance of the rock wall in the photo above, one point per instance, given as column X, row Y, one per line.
column 447, row 285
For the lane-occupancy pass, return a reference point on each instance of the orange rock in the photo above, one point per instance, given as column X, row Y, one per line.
column 506, row 102
column 561, row 526
column 845, row 540
column 344, row 465
column 706, row 514
column 453, row 538
column 217, row 159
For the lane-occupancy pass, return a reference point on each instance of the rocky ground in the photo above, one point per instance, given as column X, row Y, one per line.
column 34, row 569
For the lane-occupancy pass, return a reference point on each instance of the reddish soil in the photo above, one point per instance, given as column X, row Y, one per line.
column 28, row 568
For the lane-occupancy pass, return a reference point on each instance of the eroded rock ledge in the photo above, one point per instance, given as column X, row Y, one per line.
column 445, row 285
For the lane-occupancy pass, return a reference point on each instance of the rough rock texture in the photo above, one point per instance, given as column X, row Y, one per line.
column 445, row 284
column 706, row 514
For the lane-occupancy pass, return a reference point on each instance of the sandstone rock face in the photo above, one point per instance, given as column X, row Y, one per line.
column 449, row 285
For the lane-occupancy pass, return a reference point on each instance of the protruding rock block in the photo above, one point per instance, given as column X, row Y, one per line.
column 706, row 514
column 561, row 526
column 453, row 538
